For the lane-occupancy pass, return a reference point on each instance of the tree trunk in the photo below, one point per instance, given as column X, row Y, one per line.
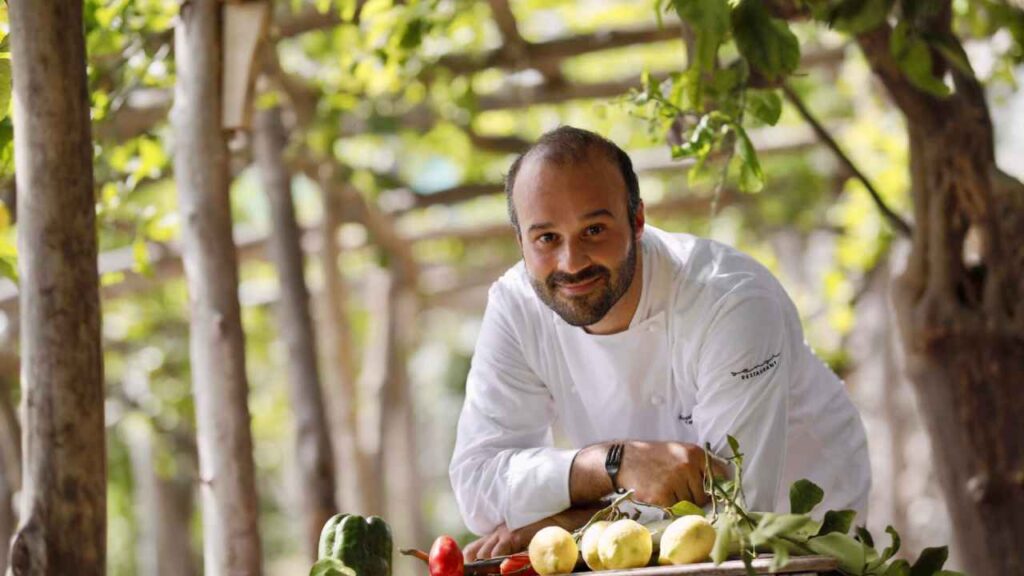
column 217, row 348
column 10, row 467
column 163, row 509
column 962, row 319
column 62, row 527
column 375, row 383
column 357, row 490
column 400, row 454
column 313, row 449
column 7, row 518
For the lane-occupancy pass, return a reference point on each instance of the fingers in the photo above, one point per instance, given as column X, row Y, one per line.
column 719, row 467
column 696, row 487
column 501, row 542
column 472, row 550
column 502, row 546
column 487, row 549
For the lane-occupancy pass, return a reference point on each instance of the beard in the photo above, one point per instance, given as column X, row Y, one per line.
column 590, row 308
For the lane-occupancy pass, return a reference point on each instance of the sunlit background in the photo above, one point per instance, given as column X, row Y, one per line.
column 424, row 136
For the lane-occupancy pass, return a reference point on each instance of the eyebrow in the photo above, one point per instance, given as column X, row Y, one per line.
column 588, row 216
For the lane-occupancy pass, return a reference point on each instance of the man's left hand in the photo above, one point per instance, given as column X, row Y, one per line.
column 501, row 542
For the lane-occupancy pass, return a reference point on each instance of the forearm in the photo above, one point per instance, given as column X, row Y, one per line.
column 661, row 473
column 588, row 480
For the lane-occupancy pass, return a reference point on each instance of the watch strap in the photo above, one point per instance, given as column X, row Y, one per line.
column 613, row 464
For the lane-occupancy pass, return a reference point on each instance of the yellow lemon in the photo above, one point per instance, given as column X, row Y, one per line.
column 624, row 544
column 553, row 551
column 686, row 541
column 589, row 544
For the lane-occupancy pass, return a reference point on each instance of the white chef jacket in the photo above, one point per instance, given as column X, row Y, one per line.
column 714, row 348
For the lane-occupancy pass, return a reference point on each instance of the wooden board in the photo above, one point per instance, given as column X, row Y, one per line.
column 797, row 566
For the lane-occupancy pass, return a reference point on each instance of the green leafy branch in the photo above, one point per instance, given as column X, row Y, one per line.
column 705, row 108
column 746, row 533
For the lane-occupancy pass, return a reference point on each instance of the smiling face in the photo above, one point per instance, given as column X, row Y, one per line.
column 578, row 245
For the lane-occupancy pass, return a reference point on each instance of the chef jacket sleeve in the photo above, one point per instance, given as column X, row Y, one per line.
column 743, row 377
column 504, row 468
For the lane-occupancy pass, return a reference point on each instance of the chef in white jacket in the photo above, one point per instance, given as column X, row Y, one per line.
column 628, row 335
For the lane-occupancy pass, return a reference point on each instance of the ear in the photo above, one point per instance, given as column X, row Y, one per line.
column 638, row 221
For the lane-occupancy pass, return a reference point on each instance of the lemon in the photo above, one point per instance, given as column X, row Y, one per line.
column 624, row 544
column 589, row 544
column 553, row 551
column 687, row 540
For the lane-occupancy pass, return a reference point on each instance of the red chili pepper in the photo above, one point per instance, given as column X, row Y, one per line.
column 517, row 565
column 445, row 557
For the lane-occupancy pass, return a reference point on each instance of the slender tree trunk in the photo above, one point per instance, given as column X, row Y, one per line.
column 62, row 526
column 7, row 519
column 10, row 468
column 313, row 449
column 175, row 504
column 357, row 490
column 962, row 322
column 378, row 414
column 400, row 455
column 217, row 348
column 163, row 510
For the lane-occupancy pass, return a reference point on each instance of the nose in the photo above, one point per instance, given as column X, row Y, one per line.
column 573, row 257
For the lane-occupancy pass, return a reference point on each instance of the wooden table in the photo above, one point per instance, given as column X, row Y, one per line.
column 797, row 566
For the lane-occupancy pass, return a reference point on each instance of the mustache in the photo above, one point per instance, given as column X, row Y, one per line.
column 589, row 273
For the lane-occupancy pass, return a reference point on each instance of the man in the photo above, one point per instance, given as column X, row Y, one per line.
column 650, row 342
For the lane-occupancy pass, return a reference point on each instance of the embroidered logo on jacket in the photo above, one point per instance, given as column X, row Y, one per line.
column 759, row 369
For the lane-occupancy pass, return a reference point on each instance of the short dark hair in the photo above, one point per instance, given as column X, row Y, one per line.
column 568, row 145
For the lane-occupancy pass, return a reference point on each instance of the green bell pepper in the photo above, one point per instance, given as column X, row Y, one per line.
column 362, row 544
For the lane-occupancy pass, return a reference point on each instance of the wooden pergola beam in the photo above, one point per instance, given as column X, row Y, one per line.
column 423, row 117
column 149, row 106
column 768, row 141
column 536, row 54
column 165, row 259
column 379, row 225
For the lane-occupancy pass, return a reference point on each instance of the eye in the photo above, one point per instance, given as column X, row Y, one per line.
column 546, row 238
column 594, row 229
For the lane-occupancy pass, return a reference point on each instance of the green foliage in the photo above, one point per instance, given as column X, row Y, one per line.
column 804, row 495
column 914, row 56
column 765, row 42
column 686, row 508
column 710, row 22
column 744, row 532
column 930, row 561
column 837, row 521
column 764, row 106
column 8, row 247
column 852, row 16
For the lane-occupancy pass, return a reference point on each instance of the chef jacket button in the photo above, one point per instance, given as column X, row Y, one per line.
column 651, row 328
column 657, row 399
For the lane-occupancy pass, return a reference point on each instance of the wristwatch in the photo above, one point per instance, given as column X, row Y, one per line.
column 612, row 464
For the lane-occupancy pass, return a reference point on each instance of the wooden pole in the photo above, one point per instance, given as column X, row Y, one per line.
column 163, row 503
column 352, row 469
column 217, row 348
column 62, row 526
column 10, row 462
column 313, row 448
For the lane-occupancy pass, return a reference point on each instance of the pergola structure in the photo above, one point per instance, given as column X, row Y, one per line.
column 202, row 118
column 146, row 108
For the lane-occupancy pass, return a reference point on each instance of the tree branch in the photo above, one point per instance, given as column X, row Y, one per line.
column 895, row 220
